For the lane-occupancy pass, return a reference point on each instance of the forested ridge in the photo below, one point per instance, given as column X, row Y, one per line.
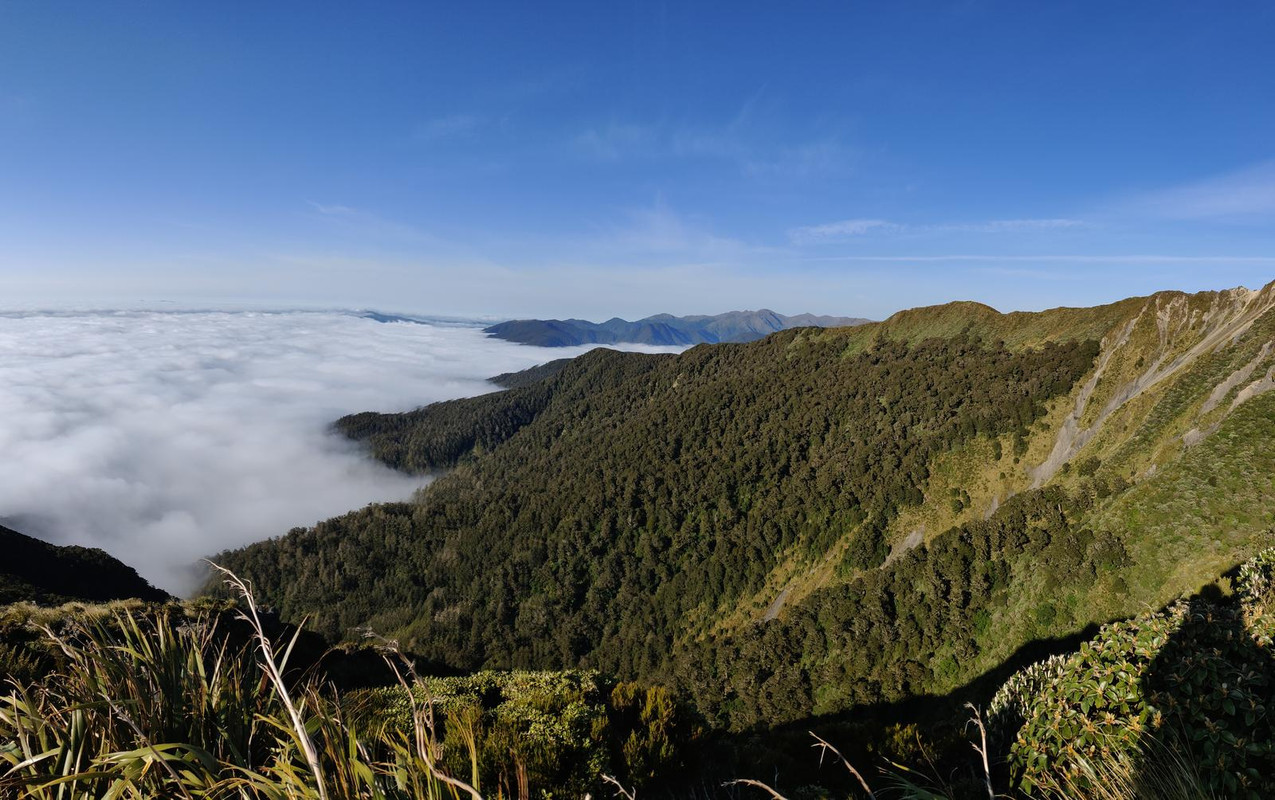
column 612, row 514
column 37, row 571
column 845, row 532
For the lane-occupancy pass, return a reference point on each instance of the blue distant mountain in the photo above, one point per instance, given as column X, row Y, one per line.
column 661, row 329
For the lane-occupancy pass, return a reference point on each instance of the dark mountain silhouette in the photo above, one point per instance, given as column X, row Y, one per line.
column 50, row 574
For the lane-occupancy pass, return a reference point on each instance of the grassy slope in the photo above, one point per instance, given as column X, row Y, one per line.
column 973, row 470
column 1194, row 511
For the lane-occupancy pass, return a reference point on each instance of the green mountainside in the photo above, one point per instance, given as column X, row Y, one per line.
column 1065, row 517
column 36, row 571
column 821, row 519
column 512, row 380
column 651, row 496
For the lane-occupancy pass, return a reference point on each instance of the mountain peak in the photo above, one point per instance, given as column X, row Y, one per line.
column 661, row 329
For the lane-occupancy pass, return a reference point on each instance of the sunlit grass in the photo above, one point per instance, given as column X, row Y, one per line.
column 156, row 705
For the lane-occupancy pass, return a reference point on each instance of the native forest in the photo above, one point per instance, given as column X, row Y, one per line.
column 953, row 554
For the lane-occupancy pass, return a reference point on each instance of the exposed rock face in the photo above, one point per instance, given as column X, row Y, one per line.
column 1165, row 339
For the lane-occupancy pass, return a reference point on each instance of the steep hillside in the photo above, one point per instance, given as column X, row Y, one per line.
column 44, row 573
column 649, row 495
column 1171, row 369
column 822, row 519
column 512, row 380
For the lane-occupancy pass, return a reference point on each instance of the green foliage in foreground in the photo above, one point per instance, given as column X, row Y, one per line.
column 1196, row 679
column 1172, row 705
column 167, row 701
column 147, row 706
column 543, row 729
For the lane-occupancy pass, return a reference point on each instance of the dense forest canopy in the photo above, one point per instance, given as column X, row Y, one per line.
column 613, row 514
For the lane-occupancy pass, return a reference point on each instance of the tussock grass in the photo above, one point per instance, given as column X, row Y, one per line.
column 165, row 705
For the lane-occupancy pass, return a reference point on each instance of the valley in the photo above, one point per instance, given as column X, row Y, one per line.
column 822, row 528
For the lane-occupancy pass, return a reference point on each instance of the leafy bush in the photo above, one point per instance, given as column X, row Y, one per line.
column 559, row 731
column 1195, row 679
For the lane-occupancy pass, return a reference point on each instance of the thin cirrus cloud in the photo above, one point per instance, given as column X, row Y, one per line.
column 164, row 437
column 1246, row 195
column 449, row 126
column 615, row 140
column 844, row 230
column 754, row 155
column 366, row 224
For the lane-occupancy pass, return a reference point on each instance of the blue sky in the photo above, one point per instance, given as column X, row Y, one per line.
column 593, row 159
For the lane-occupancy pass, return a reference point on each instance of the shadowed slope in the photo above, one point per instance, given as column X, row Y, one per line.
column 48, row 574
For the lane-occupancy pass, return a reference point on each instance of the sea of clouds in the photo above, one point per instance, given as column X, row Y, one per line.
column 164, row 437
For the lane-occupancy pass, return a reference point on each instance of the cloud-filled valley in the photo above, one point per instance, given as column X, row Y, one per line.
column 163, row 437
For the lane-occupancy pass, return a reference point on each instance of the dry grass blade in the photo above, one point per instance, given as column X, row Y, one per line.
column 423, row 722
column 272, row 670
column 758, row 784
column 619, row 788
column 826, row 747
column 981, row 749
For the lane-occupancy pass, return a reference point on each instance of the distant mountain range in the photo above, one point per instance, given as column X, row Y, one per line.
column 661, row 329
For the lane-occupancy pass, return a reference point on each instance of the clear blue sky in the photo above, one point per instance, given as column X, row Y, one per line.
column 604, row 158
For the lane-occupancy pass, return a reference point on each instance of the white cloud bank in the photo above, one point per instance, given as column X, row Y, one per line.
column 163, row 437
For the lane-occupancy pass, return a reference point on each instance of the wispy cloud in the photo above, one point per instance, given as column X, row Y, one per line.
column 660, row 231
column 824, row 157
column 1008, row 225
column 367, row 223
column 838, row 231
column 744, row 140
column 615, row 140
column 1247, row 195
column 447, row 127
column 844, row 230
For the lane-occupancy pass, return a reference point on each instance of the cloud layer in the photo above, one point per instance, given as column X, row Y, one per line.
column 164, row 437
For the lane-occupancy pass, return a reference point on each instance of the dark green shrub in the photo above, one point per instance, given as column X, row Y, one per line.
column 1196, row 678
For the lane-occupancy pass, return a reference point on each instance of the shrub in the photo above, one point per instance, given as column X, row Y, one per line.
column 1194, row 680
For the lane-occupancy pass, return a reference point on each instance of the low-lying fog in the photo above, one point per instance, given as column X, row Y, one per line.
column 163, row 437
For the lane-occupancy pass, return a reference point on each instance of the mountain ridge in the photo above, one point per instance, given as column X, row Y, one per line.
column 778, row 519
column 37, row 571
column 661, row 329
